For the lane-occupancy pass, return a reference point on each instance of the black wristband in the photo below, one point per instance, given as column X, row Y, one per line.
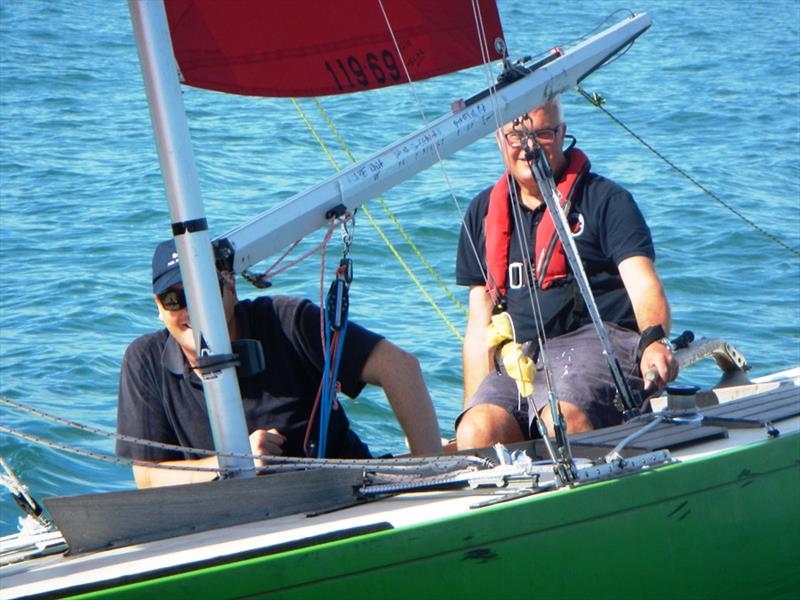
column 650, row 335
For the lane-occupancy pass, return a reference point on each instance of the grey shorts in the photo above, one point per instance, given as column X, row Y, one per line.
column 580, row 376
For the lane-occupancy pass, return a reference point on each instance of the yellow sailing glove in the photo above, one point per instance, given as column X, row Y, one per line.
column 518, row 366
column 499, row 330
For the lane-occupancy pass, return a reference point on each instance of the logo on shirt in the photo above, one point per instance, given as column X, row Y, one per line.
column 576, row 224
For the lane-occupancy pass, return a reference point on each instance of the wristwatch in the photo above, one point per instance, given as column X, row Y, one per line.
column 655, row 333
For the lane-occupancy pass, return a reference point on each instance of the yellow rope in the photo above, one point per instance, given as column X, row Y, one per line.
column 375, row 224
column 390, row 214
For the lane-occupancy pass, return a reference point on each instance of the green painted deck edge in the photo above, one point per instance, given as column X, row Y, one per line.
column 730, row 522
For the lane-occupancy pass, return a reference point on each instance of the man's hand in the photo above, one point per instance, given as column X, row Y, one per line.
column 266, row 441
column 658, row 366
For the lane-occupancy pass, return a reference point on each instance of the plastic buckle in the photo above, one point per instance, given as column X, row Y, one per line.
column 515, row 275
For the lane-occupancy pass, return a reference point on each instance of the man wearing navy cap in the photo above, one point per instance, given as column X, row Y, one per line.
column 161, row 396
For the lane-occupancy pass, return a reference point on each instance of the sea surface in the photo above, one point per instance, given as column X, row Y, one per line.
column 713, row 87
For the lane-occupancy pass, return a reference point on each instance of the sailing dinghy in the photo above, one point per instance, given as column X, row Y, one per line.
column 698, row 499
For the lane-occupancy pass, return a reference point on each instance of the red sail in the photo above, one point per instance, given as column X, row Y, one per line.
column 321, row 47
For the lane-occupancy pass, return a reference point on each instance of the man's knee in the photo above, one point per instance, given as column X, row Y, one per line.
column 485, row 425
column 576, row 419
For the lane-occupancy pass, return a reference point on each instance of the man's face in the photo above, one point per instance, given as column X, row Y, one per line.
column 177, row 321
column 551, row 139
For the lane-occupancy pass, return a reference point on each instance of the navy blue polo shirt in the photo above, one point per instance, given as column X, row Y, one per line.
column 611, row 229
column 161, row 398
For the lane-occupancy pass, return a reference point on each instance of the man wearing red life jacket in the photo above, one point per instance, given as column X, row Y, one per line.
column 494, row 260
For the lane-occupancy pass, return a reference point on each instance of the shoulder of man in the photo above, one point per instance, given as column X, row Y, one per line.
column 480, row 203
column 599, row 188
column 144, row 356
column 149, row 344
column 476, row 212
column 613, row 214
column 280, row 305
column 600, row 197
column 287, row 311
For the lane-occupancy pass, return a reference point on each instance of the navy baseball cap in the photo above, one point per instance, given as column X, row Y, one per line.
column 166, row 270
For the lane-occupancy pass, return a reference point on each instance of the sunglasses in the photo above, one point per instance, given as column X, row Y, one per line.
column 175, row 299
column 517, row 139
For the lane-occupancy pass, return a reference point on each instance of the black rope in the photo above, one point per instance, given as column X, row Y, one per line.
column 598, row 101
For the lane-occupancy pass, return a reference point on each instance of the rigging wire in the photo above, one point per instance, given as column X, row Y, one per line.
column 534, row 299
column 487, row 68
column 396, row 463
column 388, row 211
column 379, row 229
column 277, row 463
column 491, row 87
column 262, row 280
column 600, row 25
column 525, row 245
column 598, row 101
column 516, row 212
column 492, row 94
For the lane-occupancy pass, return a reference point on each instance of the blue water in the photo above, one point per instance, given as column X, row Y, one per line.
column 715, row 87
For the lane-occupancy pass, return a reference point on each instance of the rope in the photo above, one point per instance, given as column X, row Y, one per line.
column 289, row 462
column 413, row 277
column 379, row 229
column 262, row 280
column 390, row 214
column 279, row 463
column 105, row 457
column 420, row 108
column 334, row 342
column 598, row 101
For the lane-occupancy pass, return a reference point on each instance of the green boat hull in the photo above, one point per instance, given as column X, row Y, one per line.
column 724, row 526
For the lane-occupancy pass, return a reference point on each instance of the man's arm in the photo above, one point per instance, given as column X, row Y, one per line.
column 476, row 356
column 651, row 308
column 262, row 441
column 147, row 477
column 400, row 376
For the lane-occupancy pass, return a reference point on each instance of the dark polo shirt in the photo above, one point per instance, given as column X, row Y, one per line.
column 161, row 398
column 610, row 229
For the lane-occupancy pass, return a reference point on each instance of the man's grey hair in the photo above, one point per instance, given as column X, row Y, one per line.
column 553, row 104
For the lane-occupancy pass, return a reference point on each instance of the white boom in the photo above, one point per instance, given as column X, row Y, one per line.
column 300, row 215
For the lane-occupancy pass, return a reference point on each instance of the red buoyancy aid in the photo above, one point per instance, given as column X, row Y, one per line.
column 497, row 227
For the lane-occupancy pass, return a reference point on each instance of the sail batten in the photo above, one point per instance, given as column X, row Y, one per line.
column 319, row 48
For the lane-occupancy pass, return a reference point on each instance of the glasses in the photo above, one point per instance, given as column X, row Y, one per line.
column 543, row 136
column 175, row 299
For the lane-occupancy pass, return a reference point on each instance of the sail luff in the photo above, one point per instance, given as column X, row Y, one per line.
column 305, row 212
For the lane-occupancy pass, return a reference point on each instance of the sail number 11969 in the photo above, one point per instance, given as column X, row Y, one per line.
column 350, row 73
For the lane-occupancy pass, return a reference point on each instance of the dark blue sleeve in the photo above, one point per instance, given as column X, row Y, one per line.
column 140, row 410
column 306, row 334
column 472, row 242
column 623, row 231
